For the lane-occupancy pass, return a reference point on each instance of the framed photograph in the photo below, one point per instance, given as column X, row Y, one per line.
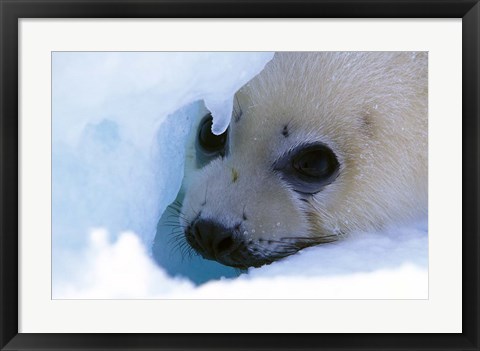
column 235, row 175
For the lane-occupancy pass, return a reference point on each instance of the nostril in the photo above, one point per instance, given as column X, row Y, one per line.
column 200, row 236
column 212, row 239
column 196, row 232
column 224, row 244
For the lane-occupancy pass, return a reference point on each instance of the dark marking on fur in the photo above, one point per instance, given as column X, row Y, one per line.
column 367, row 123
column 205, row 198
column 234, row 175
column 237, row 111
column 285, row 131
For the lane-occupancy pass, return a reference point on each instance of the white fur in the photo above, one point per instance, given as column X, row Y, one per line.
column 370, row 108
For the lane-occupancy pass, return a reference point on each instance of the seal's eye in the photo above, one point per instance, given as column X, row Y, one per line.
column 210, row 142
column 309, row 168
column 317, row 162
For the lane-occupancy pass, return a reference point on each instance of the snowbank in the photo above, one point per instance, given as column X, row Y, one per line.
column 388, row 265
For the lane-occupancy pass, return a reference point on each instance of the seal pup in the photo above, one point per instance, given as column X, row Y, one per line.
column 320, row 145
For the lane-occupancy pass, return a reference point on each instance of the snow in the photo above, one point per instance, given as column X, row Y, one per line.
column 120, row 123
column 392, row 264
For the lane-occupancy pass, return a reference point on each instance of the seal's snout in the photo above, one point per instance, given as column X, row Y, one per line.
column 229, row 246
column 211, row 239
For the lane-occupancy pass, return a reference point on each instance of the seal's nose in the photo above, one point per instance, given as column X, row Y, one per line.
column 212, row 239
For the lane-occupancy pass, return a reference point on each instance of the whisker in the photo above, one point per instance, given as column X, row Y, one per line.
column 205, row 199
column 273, row 254
column 173, row 207
column 177, row 216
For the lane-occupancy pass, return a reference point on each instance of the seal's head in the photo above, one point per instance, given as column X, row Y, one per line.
column 320, row 144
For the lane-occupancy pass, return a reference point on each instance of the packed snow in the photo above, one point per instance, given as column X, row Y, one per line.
column 120, row 126
column 388, row 265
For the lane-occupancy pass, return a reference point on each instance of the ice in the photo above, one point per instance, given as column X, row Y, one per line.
column 117, row 160
column 222, row 109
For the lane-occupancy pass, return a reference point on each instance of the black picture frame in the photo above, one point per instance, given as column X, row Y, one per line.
column 12, row 10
